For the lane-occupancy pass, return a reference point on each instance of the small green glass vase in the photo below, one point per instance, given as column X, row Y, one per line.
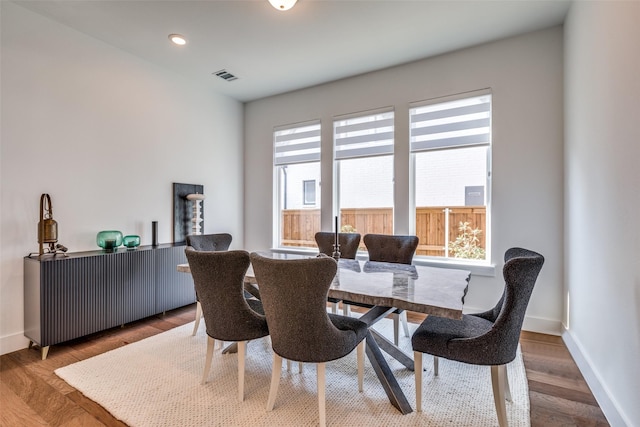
column 131, row 242
column 109, row 240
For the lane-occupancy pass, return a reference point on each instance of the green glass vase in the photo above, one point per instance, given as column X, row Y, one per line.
column 109, row 240
column 131, row 242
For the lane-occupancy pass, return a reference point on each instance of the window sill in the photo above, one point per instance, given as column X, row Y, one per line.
column 476, row 269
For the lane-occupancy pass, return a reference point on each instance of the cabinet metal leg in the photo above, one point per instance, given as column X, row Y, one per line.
column 44, row 351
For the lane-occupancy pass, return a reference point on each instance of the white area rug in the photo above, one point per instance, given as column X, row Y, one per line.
column 156, row 382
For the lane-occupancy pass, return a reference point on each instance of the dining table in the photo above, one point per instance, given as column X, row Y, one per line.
column 386, row 287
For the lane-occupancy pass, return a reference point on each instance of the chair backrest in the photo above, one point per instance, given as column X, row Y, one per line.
column 294, row 297
column 391, row 248
column 219, row 278
column 209, row 242
column 348, row 242
column 520, row 272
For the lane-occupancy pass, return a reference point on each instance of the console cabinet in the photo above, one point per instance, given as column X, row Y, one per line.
column 66, row 297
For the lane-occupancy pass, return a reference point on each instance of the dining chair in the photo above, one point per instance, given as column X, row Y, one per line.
column 209, row 242
column 294, row 295
column 206, row 242
column 349, row 243
column 398, row 249
column 489, row 338
column 229, row 316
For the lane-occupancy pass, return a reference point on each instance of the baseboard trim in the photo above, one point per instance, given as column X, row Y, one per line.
column 531, row 323
column 11, row 343
column 542, row 326
column 611, row 411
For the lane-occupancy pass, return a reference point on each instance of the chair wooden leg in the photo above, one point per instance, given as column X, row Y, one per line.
column 396, row 328
column 242, row 351
column 320, row 368
column 417, row 369
column 275, row 381
column 435, row 366
column 207, row 362
column 360, row 355
column 346, row 309
column 405, row 323
column 334, row 307
column 497, row 382
column 198, row 316
column 507, row 389
column 289, row 366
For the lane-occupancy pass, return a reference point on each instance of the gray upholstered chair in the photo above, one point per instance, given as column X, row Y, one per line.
column 391, row 248
column 229, row 316
column 294, row 295
column 349, row 243
column 396, row 249
column 209, row 242
column 206, row 242
column 489, row 338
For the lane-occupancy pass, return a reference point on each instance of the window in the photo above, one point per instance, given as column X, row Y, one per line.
column 450, row 145
column 363, row 152
column 309, row 191
column 296, row 181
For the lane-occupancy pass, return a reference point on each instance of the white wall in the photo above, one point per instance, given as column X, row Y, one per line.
column 602, row 201
column 105, row 134
column 525, row 74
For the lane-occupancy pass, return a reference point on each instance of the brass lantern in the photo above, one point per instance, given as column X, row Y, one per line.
column 47, row 227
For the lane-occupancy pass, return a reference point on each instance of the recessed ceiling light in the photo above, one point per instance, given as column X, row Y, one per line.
column 282, row 4
column 178, row 39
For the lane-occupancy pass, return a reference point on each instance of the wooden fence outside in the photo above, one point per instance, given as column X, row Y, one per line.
column 300, row 225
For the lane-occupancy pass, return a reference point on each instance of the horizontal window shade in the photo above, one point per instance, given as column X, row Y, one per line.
column 458, row 123
column 297, row 145
column 364, row 136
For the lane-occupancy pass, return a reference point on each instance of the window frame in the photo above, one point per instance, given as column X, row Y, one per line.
column 277, row 166
column 308, row 186
column 481, row 267
column 337, row 172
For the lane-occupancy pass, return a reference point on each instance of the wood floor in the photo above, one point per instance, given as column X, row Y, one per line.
column 32, row 395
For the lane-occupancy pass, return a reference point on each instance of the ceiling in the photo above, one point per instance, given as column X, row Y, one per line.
column 317, row 41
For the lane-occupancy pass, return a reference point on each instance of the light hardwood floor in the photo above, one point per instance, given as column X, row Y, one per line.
column 32, row 395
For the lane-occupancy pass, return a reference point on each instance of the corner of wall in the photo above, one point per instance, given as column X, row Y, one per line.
column 609, row 407
column 11, row 343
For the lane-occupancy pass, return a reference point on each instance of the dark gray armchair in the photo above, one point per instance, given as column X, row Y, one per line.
column 209, row 242
column 349, row 243
column 489, row 338
column 206, row 242
column 294, row 295
column 229, row 316
column 391, row 248
column 397, row 249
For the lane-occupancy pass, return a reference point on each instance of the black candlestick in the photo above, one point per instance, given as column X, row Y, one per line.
column 336, row 245
column 154, row 233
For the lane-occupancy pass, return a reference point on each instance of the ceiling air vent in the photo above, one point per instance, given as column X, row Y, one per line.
column 225, row 75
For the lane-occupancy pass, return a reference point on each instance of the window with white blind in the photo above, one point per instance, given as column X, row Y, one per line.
column 363, row 153
column 450, row 141
column 296, row 184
